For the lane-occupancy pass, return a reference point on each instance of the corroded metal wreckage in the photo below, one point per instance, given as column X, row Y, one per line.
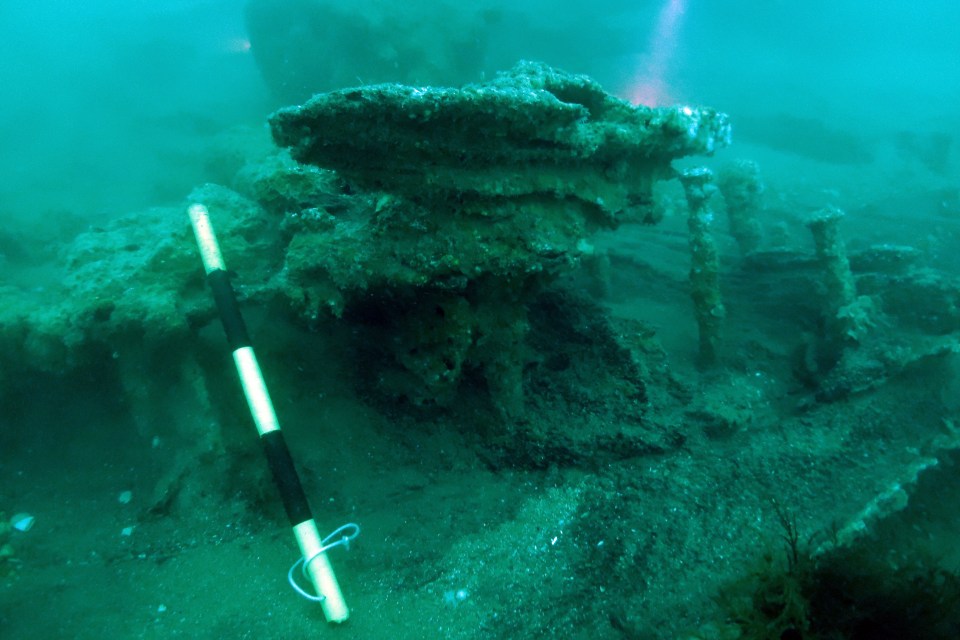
column 481, row 196
column 533, row 133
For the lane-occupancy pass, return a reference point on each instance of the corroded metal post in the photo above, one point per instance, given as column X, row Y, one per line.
column 704, row 263
column 742, row 188
column 847, row 316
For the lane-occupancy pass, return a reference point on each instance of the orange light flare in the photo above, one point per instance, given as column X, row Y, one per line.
column 650, row 86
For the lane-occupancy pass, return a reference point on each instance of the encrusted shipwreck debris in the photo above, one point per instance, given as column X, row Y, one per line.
column 533, row 133
column 870, row 338
column 475, row 199
column 845, row 318
column 704, row 263
column 742, row 188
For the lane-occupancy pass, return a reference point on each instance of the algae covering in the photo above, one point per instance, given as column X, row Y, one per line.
column 473, row 306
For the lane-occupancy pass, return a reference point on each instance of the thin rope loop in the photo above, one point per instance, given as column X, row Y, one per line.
column 324, row 547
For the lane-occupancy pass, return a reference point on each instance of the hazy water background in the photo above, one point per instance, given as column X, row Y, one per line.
column 104, row 102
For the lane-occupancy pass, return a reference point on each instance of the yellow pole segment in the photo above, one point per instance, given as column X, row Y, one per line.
column 206, row 239
column 255, row 389
column 318, row 567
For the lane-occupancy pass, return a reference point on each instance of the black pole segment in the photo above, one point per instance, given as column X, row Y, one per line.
column 226, row 300
column 285, row 476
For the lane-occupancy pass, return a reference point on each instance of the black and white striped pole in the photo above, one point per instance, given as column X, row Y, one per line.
column 316, row 565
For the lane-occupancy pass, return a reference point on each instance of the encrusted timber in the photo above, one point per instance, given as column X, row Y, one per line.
column 531, row 131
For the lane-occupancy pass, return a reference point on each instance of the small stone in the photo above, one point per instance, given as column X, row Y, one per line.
column 22, row 522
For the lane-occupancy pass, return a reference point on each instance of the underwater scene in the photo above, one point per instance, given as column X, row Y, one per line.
column 495, row 320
